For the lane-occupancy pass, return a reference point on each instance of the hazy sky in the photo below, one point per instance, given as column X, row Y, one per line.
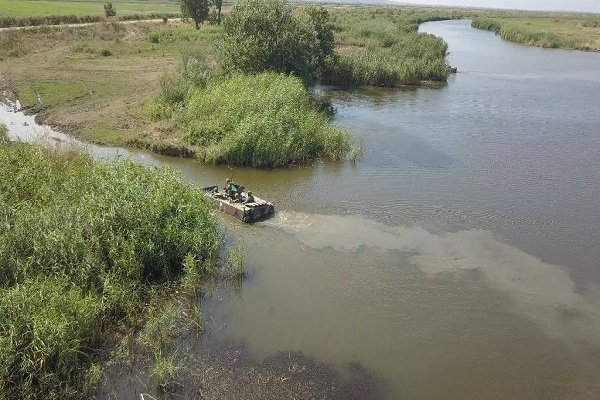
column 550, row 5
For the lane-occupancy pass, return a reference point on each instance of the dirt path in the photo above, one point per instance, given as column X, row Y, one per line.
column 17, row 28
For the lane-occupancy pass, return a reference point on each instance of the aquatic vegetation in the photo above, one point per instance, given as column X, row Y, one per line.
column 381, row 47
column 167, row 320
column 235, row 267
column 357, row 150
column 412, row 59
column 82, row 245
column 266, row 121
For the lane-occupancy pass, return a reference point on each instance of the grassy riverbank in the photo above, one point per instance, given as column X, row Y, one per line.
column 565, row 31
column 95, row 82
column 380, row 46
column 83, row 247
column 266, row 120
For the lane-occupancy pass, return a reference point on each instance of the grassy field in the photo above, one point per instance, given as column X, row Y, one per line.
column 564, row 31
column 94, row 81
column 28, row 8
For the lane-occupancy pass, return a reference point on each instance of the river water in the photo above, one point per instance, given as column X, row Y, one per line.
column 459, row 258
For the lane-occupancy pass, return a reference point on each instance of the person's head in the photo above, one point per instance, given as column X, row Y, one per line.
column 227, row 181
column 249, row 193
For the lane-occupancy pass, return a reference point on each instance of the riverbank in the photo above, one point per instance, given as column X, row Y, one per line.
column 152, row 339
column 79, row 79
column 559, row 31
column 85, row 246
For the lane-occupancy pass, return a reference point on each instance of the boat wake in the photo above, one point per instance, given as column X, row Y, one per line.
column 540, row 291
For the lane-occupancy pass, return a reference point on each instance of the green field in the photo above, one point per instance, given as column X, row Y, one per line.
column 29, row 8
column 565, row 31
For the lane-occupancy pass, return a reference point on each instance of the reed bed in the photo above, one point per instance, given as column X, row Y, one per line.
column 265, row 121
column 414, row 58
column 381, row 47
column 81, row 246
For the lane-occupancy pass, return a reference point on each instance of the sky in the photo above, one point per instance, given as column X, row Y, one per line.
column 546, row 5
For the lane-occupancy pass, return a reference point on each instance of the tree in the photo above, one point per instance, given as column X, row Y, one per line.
column 218, row 4
column 195, row 9
column 265, row 35
column 323, row 30
column 109, row 10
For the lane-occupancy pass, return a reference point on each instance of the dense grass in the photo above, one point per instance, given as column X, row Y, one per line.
column 555, row 31
column 81, row 246
column 381, row 47
column 413, row 58
column 264, row 121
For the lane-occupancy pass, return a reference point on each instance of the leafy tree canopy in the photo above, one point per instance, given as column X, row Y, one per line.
column 195, row 9
column 266, row 35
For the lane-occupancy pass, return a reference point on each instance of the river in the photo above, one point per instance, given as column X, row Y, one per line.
column 459, row 258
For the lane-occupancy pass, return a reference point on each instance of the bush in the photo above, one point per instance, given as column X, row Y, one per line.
column 265, row 35
column 109, row 10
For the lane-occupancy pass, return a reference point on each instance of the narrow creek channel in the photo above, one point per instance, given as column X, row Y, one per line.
column 459, row 259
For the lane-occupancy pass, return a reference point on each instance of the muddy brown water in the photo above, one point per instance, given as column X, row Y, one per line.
column 459, row 259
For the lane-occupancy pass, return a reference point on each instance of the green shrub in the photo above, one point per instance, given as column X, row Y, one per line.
column 109, row 10
column 266, row 35
column 154, row 37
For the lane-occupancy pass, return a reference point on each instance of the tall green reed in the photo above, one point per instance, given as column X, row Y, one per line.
column 81, row 245
column 266, row 121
